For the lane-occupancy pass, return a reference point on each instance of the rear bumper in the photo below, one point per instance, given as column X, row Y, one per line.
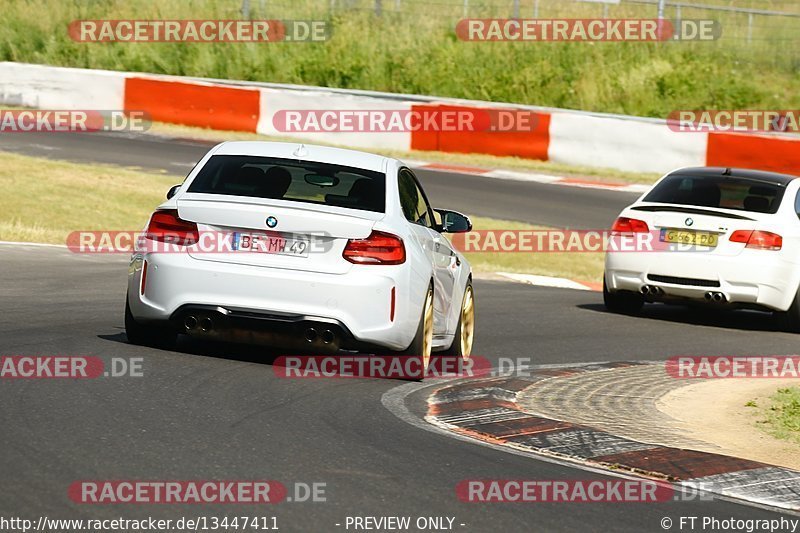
column 753, row 278
column 297, row 332
column 253, row 304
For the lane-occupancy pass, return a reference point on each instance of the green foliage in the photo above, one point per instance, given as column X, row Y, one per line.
column 410, row 52
column 783, row 414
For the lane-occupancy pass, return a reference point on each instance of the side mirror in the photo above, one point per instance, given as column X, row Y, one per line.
column 172, row 190
column 454, row 222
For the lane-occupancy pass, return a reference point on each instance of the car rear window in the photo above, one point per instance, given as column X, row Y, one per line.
column 298, row 181
column 741, row 194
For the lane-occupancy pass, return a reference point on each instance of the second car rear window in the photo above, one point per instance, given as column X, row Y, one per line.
column 299, row 181
column 742, row 194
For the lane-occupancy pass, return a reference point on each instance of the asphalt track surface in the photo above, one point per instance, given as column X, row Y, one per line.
column 211, row 411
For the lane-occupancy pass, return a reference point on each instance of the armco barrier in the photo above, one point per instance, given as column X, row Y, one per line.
column 194, row 103
column 765, row 152
column 46, row 87
column 570, row 137
column 527, row 144
column 274, row 100
column 624, row 144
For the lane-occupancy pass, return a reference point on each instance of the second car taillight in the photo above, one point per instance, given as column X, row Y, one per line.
column 378, row 249
column 166, row 226
column 629, row 225
column 760, row 240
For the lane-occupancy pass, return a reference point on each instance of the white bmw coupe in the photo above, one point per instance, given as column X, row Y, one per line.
column 721, row 236
column 302, row 247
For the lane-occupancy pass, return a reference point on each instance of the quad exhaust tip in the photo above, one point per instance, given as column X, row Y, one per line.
column 311, row 334
column 652, row 290
column 716, row 297
column 190, row 322
column 328, row 336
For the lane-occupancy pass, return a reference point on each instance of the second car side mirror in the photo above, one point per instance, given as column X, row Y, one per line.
column 172, row 191
column 454, row 222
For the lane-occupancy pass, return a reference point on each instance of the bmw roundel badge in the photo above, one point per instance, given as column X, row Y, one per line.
column 272, row 222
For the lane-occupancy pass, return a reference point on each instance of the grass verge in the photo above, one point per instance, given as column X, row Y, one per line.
column 782, row 416
column 577, row 266
column 45, row 200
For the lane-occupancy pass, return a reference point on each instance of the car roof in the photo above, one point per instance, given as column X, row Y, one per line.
column 717, row 172
column 305, row 152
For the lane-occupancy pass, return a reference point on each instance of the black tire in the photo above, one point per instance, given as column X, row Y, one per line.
column 628, row 303
column 790, row 320
column 417, row 347
column 142, row 335
column 456, row 349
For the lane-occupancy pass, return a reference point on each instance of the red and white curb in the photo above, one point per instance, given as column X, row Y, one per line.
column 487, row 410
column 533, row 177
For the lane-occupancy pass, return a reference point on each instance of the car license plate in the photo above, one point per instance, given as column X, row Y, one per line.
column 271, row 243
column 695, row 238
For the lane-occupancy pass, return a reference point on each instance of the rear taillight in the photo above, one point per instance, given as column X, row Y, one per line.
column 377, row 249
column 629, row 225
column 166, row 226
column 740, row 236
column 760, row 240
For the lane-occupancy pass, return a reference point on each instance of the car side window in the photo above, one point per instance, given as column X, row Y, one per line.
column 412, row 199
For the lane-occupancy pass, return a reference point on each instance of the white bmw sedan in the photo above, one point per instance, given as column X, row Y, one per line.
column 305, row 247
column 720, row 236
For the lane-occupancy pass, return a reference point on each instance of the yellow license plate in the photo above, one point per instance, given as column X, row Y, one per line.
column 696, row 238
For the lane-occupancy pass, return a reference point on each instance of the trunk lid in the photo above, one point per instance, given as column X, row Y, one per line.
column 704, row 220
column 298, row 236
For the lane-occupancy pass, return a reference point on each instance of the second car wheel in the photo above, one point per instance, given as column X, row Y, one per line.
column 465, row 332
column 791, row 319
column 622, row 302
column 423, row 339
column 147, row 335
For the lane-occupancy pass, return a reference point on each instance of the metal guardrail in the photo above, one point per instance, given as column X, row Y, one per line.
column 398, row 5
column 712, row 7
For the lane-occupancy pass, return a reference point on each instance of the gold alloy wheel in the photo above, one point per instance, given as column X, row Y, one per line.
column 467, row 323
column 427, row 340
